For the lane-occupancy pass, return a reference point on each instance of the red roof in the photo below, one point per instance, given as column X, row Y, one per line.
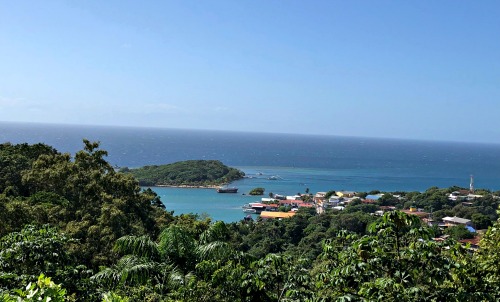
column 472, row 241
column 306, row 205
column 256, row 204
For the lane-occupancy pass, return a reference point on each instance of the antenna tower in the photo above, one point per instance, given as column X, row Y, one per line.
column 471, row 189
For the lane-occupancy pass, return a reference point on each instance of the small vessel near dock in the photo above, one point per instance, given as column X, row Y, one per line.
column 254, row 207
column 227, row 190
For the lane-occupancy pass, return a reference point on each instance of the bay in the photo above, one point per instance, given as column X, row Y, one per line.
column 297, row 162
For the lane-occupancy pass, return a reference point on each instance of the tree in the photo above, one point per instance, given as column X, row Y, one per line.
column 354, row 222
column 387, row 264
column 167, row 265
column 459, row 232
column 102, row 204
column 14, row 160
column 487, row 258
column 481, row 221
column 361, row 195
column 190, row 172
column 257, row 191
column 329, row 194
column 42, row 290
column 26, row 254
column 388, row 200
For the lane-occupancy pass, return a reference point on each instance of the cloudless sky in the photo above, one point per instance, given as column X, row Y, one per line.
column 401, row 69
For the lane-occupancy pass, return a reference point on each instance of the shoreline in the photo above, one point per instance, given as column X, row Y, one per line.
column 184, row 186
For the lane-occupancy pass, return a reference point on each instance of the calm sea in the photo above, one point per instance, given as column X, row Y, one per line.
column 297, row 162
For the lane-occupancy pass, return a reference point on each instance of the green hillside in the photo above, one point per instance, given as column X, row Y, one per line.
column 186, row 173
column 89, row 233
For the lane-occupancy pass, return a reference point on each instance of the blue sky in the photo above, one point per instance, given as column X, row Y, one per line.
column 401, row 69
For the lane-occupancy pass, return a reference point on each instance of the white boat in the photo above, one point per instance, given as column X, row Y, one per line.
column 250, row 211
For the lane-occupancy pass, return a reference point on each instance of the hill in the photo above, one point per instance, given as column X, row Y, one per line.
column 202, row 173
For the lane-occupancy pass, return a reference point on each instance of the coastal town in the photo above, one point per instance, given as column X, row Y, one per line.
column 96, row 232
column 286, row 206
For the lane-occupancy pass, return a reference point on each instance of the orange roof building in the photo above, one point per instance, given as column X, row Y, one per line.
column 266, row 214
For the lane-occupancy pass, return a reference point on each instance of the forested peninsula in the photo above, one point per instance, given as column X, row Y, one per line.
column 72, row 228
column 190, row 173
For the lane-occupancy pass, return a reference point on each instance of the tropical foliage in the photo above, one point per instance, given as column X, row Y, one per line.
column 186, row 173
column 74, row 229
column 257, row 191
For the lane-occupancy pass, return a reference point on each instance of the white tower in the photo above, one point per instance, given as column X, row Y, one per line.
column 471, row 189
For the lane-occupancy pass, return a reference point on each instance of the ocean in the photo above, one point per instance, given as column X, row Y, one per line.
column 296, row 162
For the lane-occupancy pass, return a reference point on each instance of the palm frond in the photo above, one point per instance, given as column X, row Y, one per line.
column 109, row 277
column 130, row 270
column 214, row 250
column 141, row 246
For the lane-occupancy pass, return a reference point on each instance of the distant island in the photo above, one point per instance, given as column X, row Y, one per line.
column 189, row 173
column 257, row 191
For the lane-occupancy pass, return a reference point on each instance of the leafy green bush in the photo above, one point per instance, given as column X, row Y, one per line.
column 257, row 191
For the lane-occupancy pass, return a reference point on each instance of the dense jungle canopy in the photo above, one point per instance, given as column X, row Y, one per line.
column 74, row 229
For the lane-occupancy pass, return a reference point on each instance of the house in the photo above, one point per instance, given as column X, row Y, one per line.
column 473, row 243
column 335, row 200
column 272, row 207
column 319, row 197
column 387, row 208
column 458, row 195
column 257, row 206
column 372, row 198
column 473, row 196
column 453, row 221
column 290, row 202
column 305, row 205
column 383, row 209
column 279, row 197
column 345, row 193
column 267, row 200
column 420, row 214
column 274, row 215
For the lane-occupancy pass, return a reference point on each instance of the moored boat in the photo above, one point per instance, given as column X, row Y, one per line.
column 254, row 207
column 227, row 190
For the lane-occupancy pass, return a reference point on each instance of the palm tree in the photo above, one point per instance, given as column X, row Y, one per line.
column 148, row 262
column 167, row 264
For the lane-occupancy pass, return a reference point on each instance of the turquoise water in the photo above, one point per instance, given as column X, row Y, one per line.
column 228, row 207
column 320, row 163
column 285, row 181
column 218, row 206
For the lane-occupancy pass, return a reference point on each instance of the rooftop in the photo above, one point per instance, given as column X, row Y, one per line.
column 266, row 214
column 456, row 219
column 417, row 213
